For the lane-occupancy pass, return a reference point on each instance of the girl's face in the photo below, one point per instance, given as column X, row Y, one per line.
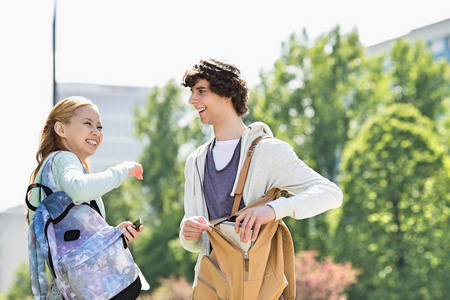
column 83, row 135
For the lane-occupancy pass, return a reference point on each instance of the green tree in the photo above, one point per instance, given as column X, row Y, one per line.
column 305, row 99
column 126, row 203
column 443, row 123
column 21, row 288
column 417, row 78
column 396, row 208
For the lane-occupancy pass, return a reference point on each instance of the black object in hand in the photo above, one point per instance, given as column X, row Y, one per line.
column 137, row 224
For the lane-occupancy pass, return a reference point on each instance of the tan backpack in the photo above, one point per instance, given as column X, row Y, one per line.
column 265, row 272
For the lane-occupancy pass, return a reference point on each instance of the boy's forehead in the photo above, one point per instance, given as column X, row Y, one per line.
column 201, row 83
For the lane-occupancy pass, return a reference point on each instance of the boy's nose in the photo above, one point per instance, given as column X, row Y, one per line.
column 192, row 99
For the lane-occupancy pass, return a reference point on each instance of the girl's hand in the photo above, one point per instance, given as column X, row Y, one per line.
column 138, row 172
column 128, row 231
column 134, row 169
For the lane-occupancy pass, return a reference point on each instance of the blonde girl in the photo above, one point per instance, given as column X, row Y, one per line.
column 74, row 128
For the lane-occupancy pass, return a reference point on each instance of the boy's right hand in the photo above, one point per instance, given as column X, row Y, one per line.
column 193, row 228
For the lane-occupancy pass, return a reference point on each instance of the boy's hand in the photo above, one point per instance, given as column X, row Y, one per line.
column 193, row 228
column 253, row 218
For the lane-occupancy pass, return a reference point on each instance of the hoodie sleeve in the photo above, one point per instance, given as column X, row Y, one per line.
column 190, row 206
column 314, row 194
column 68, row 173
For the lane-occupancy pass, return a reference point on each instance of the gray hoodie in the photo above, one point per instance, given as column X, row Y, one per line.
column 274, row 164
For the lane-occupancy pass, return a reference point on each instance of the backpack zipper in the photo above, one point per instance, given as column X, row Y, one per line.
column 220, row 273
column 246, row 264
column 246, row 257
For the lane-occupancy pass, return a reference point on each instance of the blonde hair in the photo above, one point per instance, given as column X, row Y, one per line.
column 50, row 141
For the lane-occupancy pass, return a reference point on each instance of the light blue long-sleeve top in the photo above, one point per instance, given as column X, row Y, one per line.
column 71, row 176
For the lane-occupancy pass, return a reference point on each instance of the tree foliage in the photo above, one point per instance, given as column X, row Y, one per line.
column 125, row 203
column 305, row 99
column 396, row 208
column 417, row 78
column 21, row 287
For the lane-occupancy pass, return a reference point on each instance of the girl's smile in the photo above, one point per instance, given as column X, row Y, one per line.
column 83, row 134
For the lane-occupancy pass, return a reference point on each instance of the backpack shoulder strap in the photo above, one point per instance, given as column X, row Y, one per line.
column 289, row 261
column 243, row 176
column 47, row 191
column 46, row 181
column 37, row 265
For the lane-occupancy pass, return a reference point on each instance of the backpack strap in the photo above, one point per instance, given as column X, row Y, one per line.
column 94, row 205
column 46, row 182
column 47, row 191
column 243, row 176
column 37, row 265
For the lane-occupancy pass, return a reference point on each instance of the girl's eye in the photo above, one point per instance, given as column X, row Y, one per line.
column 100, row 128
column 88, row 123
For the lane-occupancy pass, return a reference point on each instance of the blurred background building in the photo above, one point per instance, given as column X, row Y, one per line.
column 13, row 244
column 436, row 36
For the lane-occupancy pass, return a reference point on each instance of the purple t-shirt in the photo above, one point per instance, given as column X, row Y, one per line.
column 218, row 184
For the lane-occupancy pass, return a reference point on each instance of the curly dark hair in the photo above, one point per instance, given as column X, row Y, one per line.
column 224, row 78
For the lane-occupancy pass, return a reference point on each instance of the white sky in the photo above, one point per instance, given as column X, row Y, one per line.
column 145, row 43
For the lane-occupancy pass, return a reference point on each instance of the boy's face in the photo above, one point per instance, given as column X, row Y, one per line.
column 211, row 107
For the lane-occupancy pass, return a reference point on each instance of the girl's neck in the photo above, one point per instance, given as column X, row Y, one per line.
column 84, row 161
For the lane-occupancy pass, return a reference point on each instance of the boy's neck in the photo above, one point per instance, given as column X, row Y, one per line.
column 230, row 130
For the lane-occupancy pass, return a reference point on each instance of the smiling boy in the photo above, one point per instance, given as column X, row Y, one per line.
column 220, row 97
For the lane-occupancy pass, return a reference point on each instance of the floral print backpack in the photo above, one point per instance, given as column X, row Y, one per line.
column 88, row 258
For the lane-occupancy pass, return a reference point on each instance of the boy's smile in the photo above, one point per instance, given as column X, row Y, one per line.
column 208, row 104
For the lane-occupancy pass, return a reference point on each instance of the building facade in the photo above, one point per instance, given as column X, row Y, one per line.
column 13, row 244
column 436, row 36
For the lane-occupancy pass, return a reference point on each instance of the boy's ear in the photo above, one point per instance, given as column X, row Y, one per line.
column 59, row 129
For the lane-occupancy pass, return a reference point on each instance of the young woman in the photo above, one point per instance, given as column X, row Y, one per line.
column 74, row 129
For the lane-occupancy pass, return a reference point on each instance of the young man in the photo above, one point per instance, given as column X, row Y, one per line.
column 220, row 97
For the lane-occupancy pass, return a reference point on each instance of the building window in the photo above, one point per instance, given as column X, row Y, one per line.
column 438, row 46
